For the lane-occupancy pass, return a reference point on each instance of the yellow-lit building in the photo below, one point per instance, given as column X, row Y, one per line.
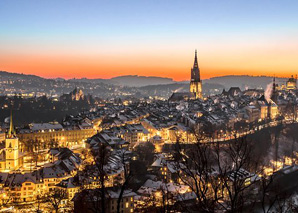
column 273, row 110
column 10, row 156
column 291, row 83
column 70, row 188
column 27, row 186
column 24, row 187
column 182, row 134
column 11, row 153
column 126, row 203
column 64, row 137
column 264, row 111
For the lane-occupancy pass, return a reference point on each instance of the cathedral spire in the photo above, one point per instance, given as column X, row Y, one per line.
column 195, row 65
column 195, row 71
column 11, row 131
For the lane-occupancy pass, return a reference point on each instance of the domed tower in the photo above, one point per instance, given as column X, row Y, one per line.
column 195, row 82
column 291, row 83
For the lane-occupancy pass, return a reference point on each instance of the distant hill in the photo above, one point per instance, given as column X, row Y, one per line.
column 14, row 83
column 5, row 74
column 128, row 80
column 244, row 81
column 138, row 81
column 133, row 85
column 96, row 80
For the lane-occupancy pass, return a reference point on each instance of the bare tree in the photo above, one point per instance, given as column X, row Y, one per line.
column 160, row 200
column 55, row 198
column 89, row 199
column 275, row 196
column 167, row 198
column 127, row 177
column 291, row 132
column 275, row 132
column 38, row 201
column 101, row 157
column 238, row 169
column 221, row 174
column 194, row 166
column 52, row 144
column 6, row 199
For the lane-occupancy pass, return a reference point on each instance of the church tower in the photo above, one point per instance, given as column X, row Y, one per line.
column 195, row 82
column 274, row 91
column 11, row 148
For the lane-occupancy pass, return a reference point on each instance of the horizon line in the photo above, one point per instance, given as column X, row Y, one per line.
column 53, row 78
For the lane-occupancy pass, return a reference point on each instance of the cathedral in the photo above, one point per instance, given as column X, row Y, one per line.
column 195, row 88
column 195, row 81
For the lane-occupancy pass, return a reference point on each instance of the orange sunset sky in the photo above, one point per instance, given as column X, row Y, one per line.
column 104, row 40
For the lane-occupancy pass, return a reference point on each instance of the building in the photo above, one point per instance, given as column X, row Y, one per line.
column 263, row 106
column 90, row 201
column 195, row 87
column 10, row 156
column 26, row 186
column 239, row 178
column 273, row 110
column 291, row 83
column 253, row 113
column 75, row 95
column 195, row 82
column 166, row 169
column 55, row 132
column 70, row 187
column 182, row 96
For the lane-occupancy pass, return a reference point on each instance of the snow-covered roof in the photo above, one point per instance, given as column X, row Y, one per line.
column 45, row 126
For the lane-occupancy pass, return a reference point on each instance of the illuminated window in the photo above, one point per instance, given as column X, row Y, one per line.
column 126, row 205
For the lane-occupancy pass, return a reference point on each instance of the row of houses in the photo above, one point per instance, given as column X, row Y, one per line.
column 19, row 187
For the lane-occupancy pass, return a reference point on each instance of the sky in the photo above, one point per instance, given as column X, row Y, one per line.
column 104, row 39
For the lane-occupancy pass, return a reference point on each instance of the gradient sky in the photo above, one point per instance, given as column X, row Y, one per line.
column 103, row 39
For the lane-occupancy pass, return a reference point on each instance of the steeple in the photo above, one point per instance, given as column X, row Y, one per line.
column 12, row 148
column 11, row 131
column 195, row 65
column 195, row 71
column 274, row 85
column 195, row 81
column 274, row 92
